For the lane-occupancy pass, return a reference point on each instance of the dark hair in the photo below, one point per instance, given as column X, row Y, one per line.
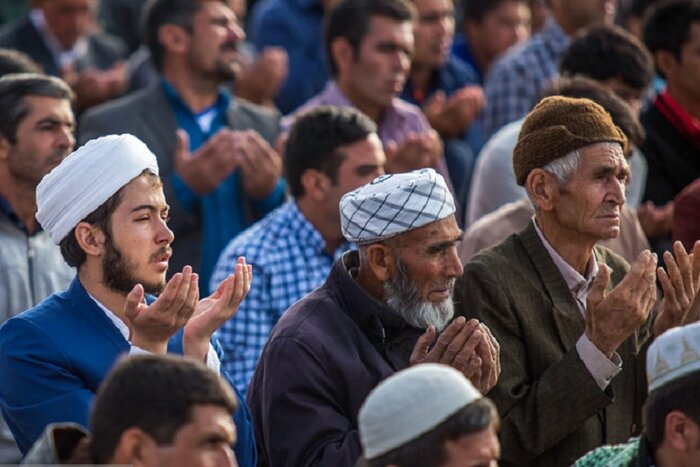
column 667, row 26
column 475, row 10
column 681, row 395
column 158, row 13
column 350, row 20
column 155, row 393
column 71, row 251
column 14, row 61
column 316, row 141
column 15, row 87
column 621, row 113
column 604, row 52
column 429, row 448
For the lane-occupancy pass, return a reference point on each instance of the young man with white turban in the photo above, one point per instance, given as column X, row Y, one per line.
column 378, row 312
column 428, row 415
column 104, row 206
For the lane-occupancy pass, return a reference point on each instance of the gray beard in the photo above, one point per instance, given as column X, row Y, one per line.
column 402, row 295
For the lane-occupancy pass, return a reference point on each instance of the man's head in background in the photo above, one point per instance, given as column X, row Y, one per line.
column 428, row 414
column 613, row 57
column 161, row 411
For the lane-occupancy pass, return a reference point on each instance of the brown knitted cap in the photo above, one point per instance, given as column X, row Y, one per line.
column 557, row 126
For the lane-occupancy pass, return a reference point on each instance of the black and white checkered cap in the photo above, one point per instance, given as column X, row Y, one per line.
column 393, row 204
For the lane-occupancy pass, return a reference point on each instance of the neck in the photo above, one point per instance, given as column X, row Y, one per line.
column 574, row 250
column 22, row 198
column 370, row 283
column 420, row 76
column 482, row 59
column 666, row 456
column 372, row 111
column 326, row 224
column 564, row 23
column 198, row 92
column 90, row 276
column 689, row 104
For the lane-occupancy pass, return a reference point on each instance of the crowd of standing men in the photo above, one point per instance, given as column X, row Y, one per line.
column 381, row 232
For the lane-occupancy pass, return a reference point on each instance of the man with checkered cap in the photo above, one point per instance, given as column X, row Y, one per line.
column 571, row 316
column 378, row 312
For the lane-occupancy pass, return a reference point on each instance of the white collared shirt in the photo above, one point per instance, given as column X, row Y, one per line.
column 212, row 359
column 63, row 57
column 601, row 368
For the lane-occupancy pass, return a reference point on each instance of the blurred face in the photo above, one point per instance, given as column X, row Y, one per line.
column 480, row 449
column 44, row 138
column 214, row 42
column 204, row 442
column 378, row 70
column 364, row 161
column 683, row 74
column 504, row 26
column 631, row 95
column 139, row 248
column 434, row 31
column 69, row 20
column 589, row 207
column 427, row 264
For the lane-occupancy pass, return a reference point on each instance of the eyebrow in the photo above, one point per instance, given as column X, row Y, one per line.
column 55, row 121
column 150, row 207
column 446, row 244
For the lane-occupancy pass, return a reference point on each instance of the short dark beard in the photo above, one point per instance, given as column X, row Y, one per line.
column 403, row 296
column 118, row 272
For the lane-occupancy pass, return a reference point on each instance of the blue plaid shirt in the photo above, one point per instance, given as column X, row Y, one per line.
column 514, row 83
column 289, row 261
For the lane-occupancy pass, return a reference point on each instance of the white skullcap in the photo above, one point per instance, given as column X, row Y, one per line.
column 393, row 204
column 86, row 179
column 410, row 403
column 674, row 354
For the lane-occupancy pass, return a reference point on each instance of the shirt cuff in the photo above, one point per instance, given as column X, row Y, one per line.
column 136, row 350
column 213, row 362
column 601, row 368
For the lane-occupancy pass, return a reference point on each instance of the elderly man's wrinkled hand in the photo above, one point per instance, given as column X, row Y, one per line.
column 460, row 346
column 679, row 282
column 152, row 326
column 612, row 317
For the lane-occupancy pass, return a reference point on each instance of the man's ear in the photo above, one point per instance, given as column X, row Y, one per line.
column 90, row 238
column 135, row 447
column 680, row 431
column 381, row 260
column 174, row 38
column 666, row 62
column 342, row 54
column 315, row 184
column 4, row 148
column 542, row 188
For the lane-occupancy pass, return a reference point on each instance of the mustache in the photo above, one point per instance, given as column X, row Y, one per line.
column 229, row 46
column 162, row 251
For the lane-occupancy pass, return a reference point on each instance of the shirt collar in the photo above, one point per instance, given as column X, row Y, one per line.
column 308, row 236
column 554, row 37
column 577, row 284
column 62, row 57
column 222, row 103
column 120, row 325
column 7, row 210
column 392, row 117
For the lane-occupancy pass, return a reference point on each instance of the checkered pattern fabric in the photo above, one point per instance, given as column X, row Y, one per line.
column 514, row 83
column 393, row 204
column 288, row 259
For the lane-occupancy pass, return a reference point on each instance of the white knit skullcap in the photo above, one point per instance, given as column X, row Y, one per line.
column 393, row 204
column 86, row 179
column 410, row 403
column 674, row 354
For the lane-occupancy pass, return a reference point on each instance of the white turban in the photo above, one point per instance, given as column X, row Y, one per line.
column 673, row 355
column 410, row 403
column 86, row 179
column 393, row 204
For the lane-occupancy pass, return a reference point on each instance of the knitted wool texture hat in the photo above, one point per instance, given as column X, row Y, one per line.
column 557, row 126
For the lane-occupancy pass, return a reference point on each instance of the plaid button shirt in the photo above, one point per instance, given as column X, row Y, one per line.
column 514, row 83
column 289, row 261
